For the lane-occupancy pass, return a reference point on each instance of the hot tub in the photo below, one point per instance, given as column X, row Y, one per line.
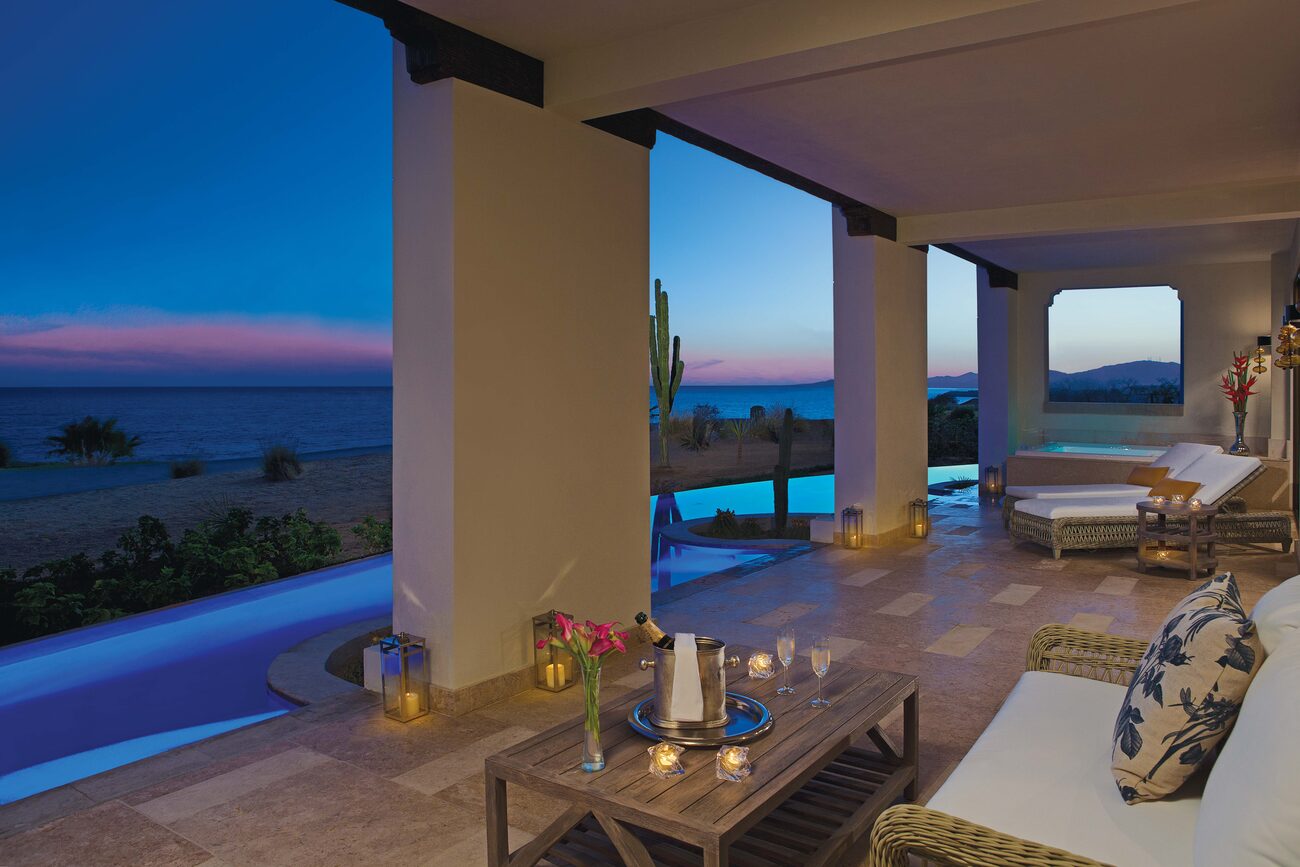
column 1108, row 450
column 1073, row 463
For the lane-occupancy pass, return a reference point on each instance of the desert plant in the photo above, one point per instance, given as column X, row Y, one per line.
column 738, row 429
column 772, row 421
column 187, row 468
column 376, row 536
column 6, row 457
column 665, row 370
column 91, row 441
column 699, row 435
column 280, row 463
column 781, row 475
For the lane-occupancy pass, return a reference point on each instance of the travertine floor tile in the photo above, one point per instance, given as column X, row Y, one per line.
column 1016, row 594
column 906, row 605
column 634, row 680
column 841, row 647
column 960, row 640
column 472, row 851
column 444, row 772
column 110, row 835
column 1116, row 585
column 863, row 577
column 784, row 614
column 225, row 787
column 1093, row 622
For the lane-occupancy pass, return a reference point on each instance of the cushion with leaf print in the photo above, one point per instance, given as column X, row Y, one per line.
column 1186, row 691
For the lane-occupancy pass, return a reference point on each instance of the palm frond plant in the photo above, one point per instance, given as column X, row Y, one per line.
column 280, row 463
column 738, row 429
column 92, row 441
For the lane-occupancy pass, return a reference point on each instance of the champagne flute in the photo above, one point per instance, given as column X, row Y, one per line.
column 821, row 663
column 785, row 652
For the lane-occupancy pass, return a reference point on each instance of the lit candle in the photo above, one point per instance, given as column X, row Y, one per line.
column 410, row 704
column 1176, row 499
column 555, row 675
column 665, row 760
column 1194, row 503
column 761, row 666
column 1157, row 500
column 733, row 763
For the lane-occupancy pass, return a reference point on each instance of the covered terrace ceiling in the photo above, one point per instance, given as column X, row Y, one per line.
column 1040, row 134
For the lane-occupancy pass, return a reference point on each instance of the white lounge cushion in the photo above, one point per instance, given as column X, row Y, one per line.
column 1250, row 814
column 1217, row 474
column 1082, row 507
column 1180, row 456
column 1034, row 492
column 1041, row 771
column 1277, row 614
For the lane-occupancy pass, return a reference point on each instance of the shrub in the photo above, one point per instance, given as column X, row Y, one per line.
column 769, row 427
column 187, row 468
column 738, row 429
column 376, row 536
column 280, row 463
column 91, row 441
column 703, row 423
column 5, row 456
column 725, row 525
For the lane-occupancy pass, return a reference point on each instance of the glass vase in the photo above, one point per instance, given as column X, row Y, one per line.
column 593, row 757
column 1239, row 444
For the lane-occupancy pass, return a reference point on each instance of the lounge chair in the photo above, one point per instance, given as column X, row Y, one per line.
column 1092, row 523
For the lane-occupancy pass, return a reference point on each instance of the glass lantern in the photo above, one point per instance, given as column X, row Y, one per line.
column 404, row 676
column 993, row 481
column 554, row 667
column 919, row 519
column 851, row 527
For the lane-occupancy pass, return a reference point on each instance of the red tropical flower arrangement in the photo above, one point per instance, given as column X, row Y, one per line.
column 590, row 644
column 1237, row 383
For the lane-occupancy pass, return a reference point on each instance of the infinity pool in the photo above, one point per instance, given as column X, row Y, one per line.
column 82, row 702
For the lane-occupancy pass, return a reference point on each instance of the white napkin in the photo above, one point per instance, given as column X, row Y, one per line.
column 688, row 698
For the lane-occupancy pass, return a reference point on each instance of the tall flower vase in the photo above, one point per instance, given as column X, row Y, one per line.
column 1239, row 444
column 593, row 757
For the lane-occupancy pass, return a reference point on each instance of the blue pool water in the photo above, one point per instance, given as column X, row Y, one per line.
column 1099, row 449
column 93, row 699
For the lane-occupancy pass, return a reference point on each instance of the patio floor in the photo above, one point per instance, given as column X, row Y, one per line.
column 335, row 783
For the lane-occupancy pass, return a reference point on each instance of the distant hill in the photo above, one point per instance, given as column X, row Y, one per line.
column 1137, row 372
column 962, row 380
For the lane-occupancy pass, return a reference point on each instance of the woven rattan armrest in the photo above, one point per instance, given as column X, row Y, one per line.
column 1082, row 653
column 908, row 829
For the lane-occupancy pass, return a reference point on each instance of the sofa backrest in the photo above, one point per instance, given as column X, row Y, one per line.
column 1250, row 810
column 1218, row 474
column 1277, row 615
column 1181, row 455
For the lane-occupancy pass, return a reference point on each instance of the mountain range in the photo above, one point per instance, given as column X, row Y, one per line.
column 1136, row 372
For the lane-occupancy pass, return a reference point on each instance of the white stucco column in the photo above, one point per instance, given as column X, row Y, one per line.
column 880, row 373
column 996, row 341
column 520, row 464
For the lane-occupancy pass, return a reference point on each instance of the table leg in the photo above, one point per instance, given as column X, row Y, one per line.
column 632, row 850
column 911, row 742
column 498, row 828
column 716, row 855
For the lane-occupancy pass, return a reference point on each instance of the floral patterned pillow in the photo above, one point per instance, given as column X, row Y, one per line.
column 1186, row 692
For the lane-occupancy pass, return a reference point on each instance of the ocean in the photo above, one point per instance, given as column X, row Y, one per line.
column 814, row 400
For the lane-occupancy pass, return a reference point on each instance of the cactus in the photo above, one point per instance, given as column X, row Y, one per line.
column 666, row 371
column 781, row 476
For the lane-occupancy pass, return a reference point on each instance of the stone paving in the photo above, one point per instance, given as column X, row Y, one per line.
column 337, row 784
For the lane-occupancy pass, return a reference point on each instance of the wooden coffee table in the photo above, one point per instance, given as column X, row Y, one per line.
column 820, row 778
column 1186, row 543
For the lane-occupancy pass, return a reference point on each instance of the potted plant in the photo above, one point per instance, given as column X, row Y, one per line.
column 1236, row 386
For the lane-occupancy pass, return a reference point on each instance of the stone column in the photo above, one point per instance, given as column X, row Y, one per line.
column 880, row 379
column 520, row 458
column 996, row 338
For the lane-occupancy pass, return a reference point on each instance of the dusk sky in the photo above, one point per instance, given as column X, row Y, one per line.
column 210, row 207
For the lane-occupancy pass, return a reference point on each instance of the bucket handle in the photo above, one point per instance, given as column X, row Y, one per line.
column 647, row 663
column 730, row 662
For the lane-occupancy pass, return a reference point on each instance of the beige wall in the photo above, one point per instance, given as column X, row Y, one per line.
column 880, row 371
column 1225, row 307
column 520, row 471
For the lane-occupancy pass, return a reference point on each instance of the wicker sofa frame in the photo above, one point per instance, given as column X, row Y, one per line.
column 1114, row 531
column 910, row 830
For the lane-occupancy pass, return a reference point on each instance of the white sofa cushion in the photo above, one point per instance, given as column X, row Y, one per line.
column 1082, row 507
column 1041, row 771
column 1180, row 456
column 1032, row 492
column 1217, row 474
column 1277, row 614
column 1251, row 813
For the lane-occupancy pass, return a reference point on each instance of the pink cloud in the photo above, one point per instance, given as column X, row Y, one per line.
column 209, row 344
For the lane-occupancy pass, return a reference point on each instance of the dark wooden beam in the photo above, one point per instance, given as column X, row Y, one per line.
column 998, row 276
column 437, row 49
column 640, row 126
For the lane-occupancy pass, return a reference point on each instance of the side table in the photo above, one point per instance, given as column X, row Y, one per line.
column 1185, row 543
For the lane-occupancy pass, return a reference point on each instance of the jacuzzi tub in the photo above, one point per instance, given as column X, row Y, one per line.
column 1109, row 450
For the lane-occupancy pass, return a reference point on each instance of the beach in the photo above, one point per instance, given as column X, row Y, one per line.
column 339, row 491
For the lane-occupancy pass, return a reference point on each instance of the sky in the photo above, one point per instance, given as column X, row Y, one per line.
column 1083, row 331
column 198, row 201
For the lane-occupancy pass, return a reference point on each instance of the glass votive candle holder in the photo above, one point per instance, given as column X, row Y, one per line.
column 1157, row 500
column 733, row 764
column 666, row 760
column 761, row 665
column 1194, row 503
column 1177, row 499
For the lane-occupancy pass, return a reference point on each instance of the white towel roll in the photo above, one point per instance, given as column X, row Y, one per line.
column 687, row 703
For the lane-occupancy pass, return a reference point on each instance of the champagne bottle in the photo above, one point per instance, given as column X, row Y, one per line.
column 657, row 636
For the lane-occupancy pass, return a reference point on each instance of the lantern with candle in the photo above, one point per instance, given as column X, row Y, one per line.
column 666, row 760
column 404, row 676
column 851, row 527
column 761, row 665
column 553, row 663
column 992, row 481
column 733, row 763
column 919, row 518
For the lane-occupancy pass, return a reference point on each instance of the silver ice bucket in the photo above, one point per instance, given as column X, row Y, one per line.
column 710, row 654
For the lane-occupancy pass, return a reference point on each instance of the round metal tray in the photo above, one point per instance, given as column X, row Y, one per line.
column 750, row 719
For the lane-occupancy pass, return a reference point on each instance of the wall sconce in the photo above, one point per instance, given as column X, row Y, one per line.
column 1288, row 348
column 851, row 527
column 1263, row 351
column 919, row 522
column 404, row 679
column 993, row 481
column 553, row 666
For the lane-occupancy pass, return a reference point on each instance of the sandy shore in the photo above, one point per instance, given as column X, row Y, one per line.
column 812, row 451
column 339, row 491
